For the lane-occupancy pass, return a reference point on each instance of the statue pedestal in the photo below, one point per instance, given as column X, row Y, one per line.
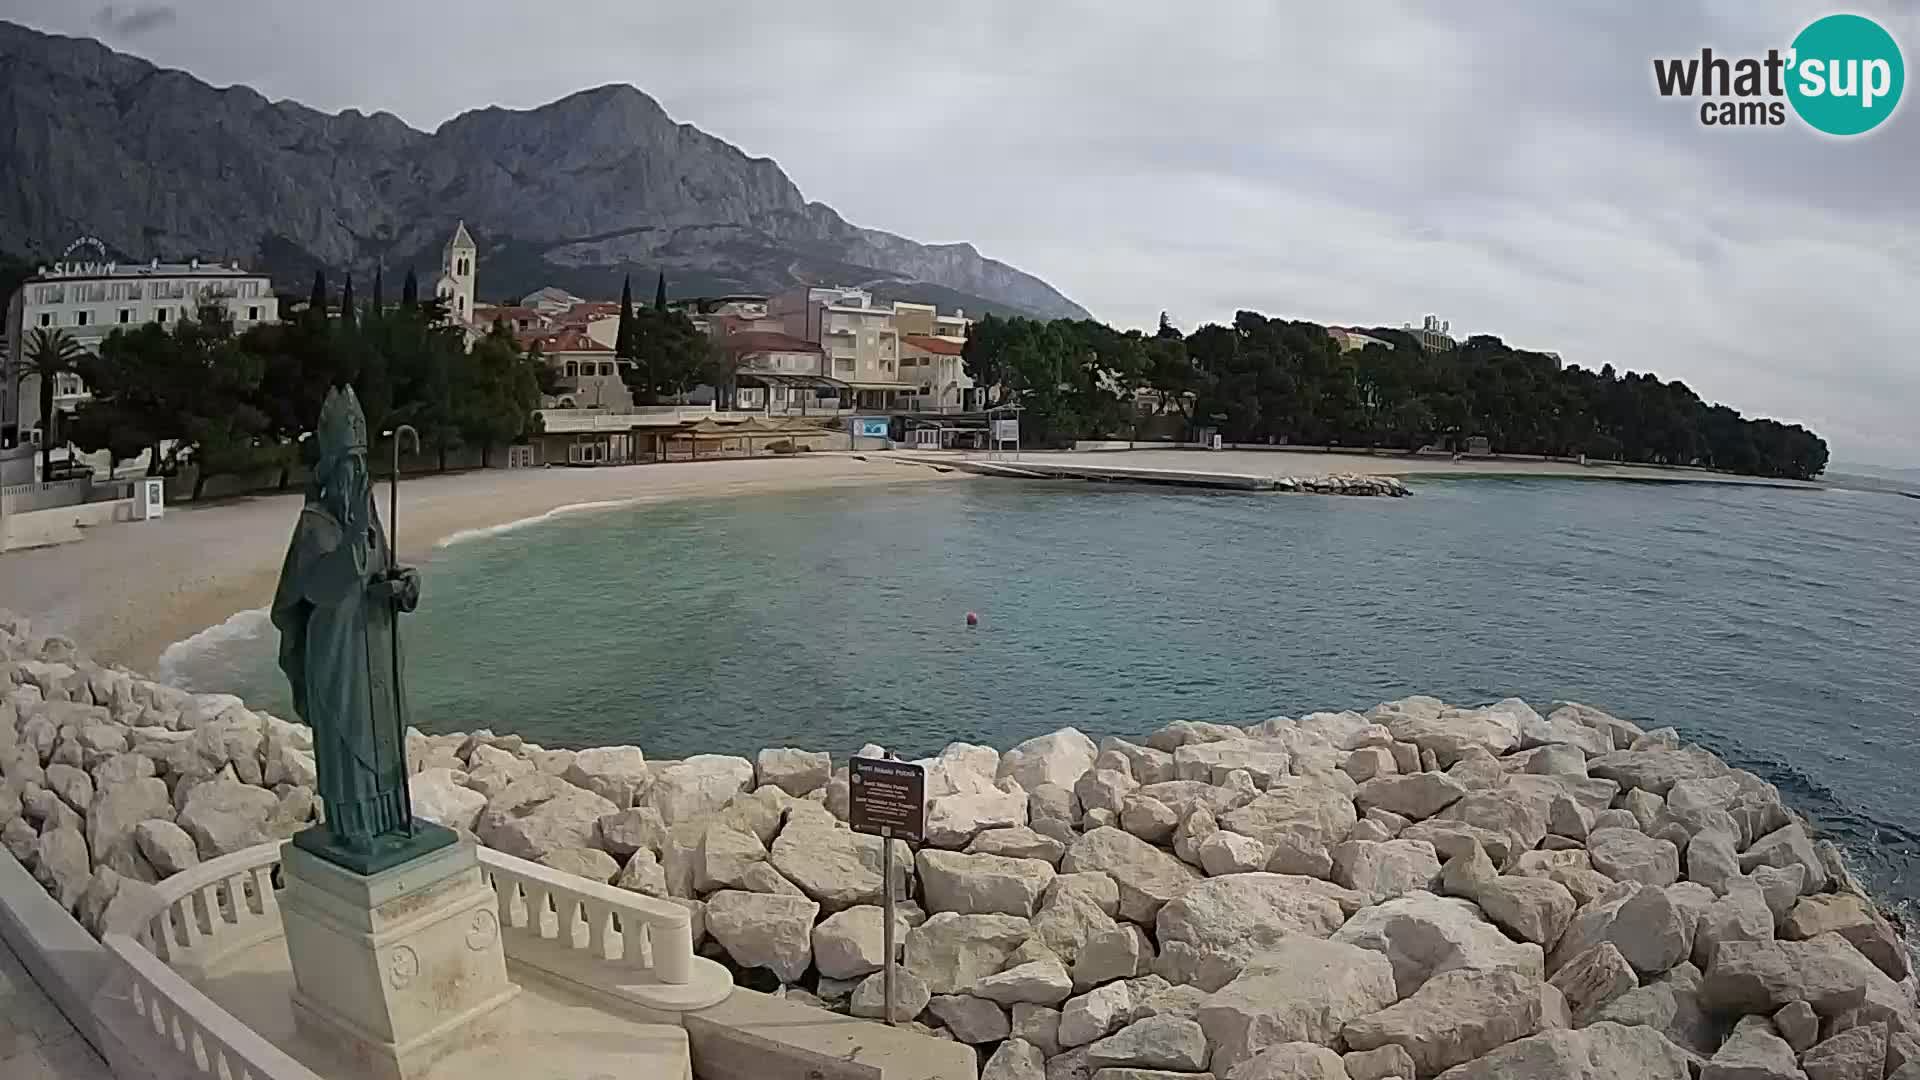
column 396, row 968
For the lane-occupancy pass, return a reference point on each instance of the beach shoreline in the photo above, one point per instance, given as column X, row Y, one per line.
column 132, row 590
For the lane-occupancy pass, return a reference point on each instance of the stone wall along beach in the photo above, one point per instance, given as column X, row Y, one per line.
column 1421, row 890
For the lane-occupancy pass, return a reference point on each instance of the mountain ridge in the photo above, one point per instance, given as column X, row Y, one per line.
column 576, row 192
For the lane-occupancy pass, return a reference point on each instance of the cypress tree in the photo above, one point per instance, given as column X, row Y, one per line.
column 660, row 292
column 348, row 317
column 317, row 302
column 410, row 290
column 378, row 303
column 623, row 339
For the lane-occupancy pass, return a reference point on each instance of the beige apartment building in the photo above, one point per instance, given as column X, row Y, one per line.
column 864, row 345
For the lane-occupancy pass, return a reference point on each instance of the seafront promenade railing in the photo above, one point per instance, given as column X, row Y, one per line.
column 617, row 947
column 201, row 1032
column 640, row 933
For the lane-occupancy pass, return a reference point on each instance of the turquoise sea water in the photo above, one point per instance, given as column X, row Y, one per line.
column 1777, row 627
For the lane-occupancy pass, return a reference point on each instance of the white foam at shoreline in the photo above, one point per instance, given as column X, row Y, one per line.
column 463, row 535
column 240, row 626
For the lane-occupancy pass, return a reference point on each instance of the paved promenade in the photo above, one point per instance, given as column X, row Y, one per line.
column 36, row 1042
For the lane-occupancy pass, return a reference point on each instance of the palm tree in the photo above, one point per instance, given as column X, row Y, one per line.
column 49, row 354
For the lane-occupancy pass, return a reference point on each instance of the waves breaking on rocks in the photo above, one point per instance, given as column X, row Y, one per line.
column 1419, row 890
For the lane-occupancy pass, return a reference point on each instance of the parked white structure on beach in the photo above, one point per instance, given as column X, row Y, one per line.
column 89, row 300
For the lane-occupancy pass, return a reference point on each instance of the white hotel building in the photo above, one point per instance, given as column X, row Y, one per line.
column 91, row 300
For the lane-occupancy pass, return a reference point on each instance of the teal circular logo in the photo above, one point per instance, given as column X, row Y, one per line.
column 1846, row 74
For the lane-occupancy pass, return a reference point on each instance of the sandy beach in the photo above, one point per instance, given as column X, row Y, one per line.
column 129, row 591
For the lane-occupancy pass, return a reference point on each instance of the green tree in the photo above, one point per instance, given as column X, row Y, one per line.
column 494, row 403
column 48, row 355
column 623, row 341
column 410, row 290
column 317, row 299
column 660, row 294
column 348, row 315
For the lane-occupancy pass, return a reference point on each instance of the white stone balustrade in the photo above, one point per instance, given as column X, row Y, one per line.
column 212, row 910
column 206, row 1036
column 602, row 939
column 617, row 948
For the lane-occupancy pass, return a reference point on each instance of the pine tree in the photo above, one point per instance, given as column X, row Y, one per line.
column 660, row 292
column 623, row 343
column 348, row 316
column 317, row 303
column 410, row 292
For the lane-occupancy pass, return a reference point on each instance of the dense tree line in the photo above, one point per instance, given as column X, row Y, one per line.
column 196, row 392
column 665, row 356
column 1265, row 380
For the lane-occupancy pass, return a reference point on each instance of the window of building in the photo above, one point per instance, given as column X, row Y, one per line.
column 573, row 370
column 160, row 314
column 843, row 365
column 253, row 314
column 460, row 303
column 46, row 318
column 126, row 315
column 82, row 318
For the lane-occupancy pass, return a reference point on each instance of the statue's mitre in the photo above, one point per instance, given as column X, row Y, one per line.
column 343, row 427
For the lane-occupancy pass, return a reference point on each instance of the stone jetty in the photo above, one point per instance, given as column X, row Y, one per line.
column 1420, row 890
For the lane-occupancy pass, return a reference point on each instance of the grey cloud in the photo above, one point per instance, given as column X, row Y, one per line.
column 1504, row 164
column 134, row 21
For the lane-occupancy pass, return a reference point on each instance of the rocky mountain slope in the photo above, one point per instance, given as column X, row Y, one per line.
column 156, row 162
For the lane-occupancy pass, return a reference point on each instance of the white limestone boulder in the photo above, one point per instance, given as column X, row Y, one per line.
column 1299, row 807
column 1230, row 853
column 1416, row 796
column 826, row 861
column 851, row 944
column 618, row 774
column 1095, row 1014
column 1423, row 935
column 117, row 811
column 972, row 1020
column 869, row 999
column 796, row 772
column 954, row 820
column 1060, row 757
column 982, row 884
column 1304, row 990
column 698, row 786
column 1385, row 869
column 952, row 953
column 1018, row 842
column 1630, row 855
column 1454, row 1017
column 1168, row 1043
column 1533, row 909
column 439, row 796
column 759, row 930
column 1593, row 978
column 166, row 846
column 538, row 814
column 1039, row 982
column 223, row 816
column 1147, row 876
column 1240, row 917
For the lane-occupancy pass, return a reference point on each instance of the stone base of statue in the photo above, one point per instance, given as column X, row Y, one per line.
column 398, row 968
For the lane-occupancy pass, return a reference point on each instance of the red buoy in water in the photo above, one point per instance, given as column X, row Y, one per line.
column 972, row 619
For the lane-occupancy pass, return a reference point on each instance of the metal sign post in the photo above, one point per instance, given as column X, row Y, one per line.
column 887, row 799
column 886, row 882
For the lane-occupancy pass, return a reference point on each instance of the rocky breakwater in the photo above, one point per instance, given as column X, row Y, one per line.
column 1345, row 484
column 1417, row 891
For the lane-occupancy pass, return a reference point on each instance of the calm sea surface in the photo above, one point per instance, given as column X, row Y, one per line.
column 1780, row 628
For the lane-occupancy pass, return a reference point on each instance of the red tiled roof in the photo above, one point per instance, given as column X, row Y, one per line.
column 568, row 340
column 936, row 345
column 749, row 341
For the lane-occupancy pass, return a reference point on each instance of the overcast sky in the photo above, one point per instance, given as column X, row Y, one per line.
column 1506, row 166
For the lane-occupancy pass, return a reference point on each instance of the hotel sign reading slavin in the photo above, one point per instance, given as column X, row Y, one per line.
column 889, row 796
